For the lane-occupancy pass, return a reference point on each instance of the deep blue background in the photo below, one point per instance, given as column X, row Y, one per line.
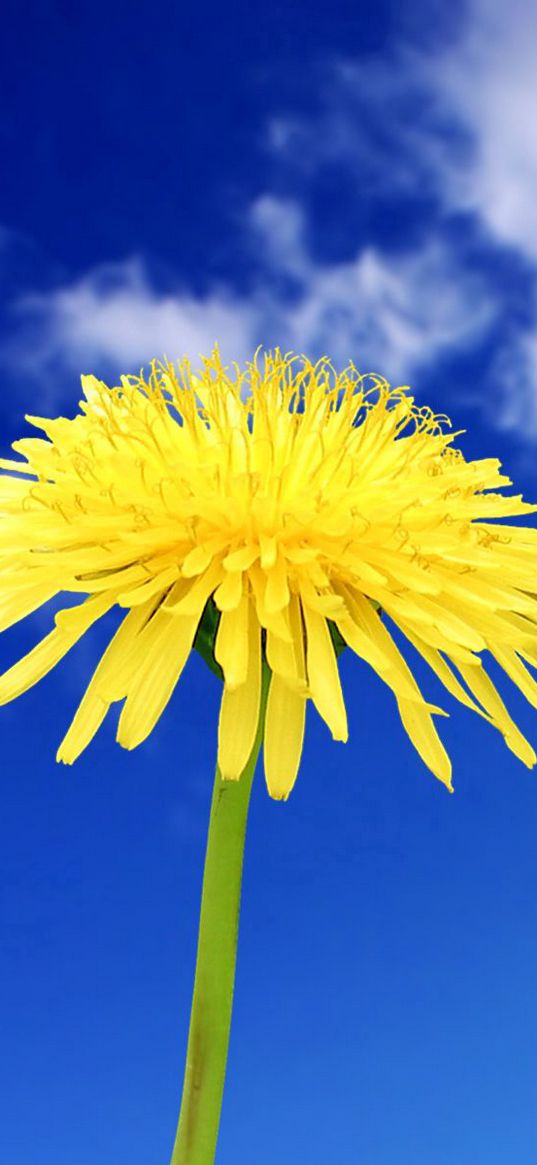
column 385, row 1006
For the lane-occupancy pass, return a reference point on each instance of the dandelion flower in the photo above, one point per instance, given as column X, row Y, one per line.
column 293, row 510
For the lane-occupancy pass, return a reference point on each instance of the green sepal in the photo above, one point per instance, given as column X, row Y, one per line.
column 337, row 639
column 206, row 635
column 208, row 627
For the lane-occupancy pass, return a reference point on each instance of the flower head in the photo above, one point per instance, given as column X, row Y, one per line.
column 303, row 509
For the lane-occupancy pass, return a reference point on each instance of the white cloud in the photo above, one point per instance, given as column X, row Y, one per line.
column 382, row 120
column 457, row 120
column 388, row 314
column 113, row 316
column 278, row 225
column 488, row 81
column 515, row 370
column 455, row 124
column 394, row 314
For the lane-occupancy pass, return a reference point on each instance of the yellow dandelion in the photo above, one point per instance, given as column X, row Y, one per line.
column 273, row 514
column 267, row 517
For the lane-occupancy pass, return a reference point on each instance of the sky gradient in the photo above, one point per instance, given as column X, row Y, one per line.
column 334, row 178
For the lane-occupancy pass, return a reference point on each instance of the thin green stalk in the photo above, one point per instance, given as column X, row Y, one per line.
column 210, row 1018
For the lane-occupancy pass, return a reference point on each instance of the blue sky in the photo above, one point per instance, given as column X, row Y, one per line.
column 336, row 178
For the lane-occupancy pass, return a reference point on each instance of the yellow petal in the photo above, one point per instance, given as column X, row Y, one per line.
column 87, row 720
column 423, row 609
column 17, row 604
column 329, row 604
column 444, row 673
column 95, row 581
column 481, row 685
column 231, row 644
column 397, row 674
column 296, row 627
column 228, row 595
column 277, row 591
column 284, row 735
column 268, row 551
column 275, row 620
column 239, row 710
column 283, row 659
column 519, row 674
column 323, row 676
column 106, row 678
column 197, row 560
column 155, row 678
column 360, row 642
column 414, row 711
column 152, row 586
column 46, row 654
column 242, row 558
column 189, row 601
column 422, row 732
column 129, row 647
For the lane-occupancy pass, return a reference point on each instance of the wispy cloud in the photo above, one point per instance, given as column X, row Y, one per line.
column 488, row 83
column 393, row 314
column 114, row 316
column 455, row 122
column 448, row 131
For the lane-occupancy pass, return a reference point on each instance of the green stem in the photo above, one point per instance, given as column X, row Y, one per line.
column 210, row 1018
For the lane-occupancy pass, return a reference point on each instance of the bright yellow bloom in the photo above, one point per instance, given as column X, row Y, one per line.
column 308, row 507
